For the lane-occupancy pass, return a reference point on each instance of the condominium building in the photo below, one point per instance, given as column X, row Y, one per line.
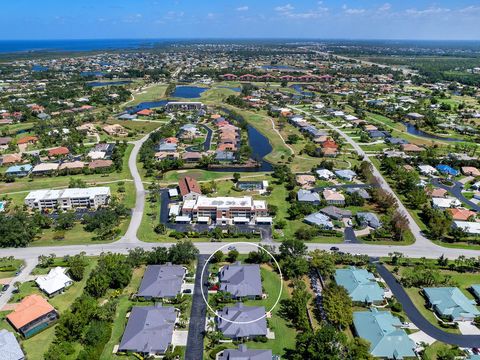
column 68, row 199
column 226, row 210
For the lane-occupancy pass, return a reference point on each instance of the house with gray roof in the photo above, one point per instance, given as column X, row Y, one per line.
column 384, row 333
column 221, row 155
column 320, row 220
column 149, row 330
column 336, row 213
column 360, row 285
column 241, row 280
column 450, row 303
column 368, row 219
column 360, row 191
column 243, row 353
column 240, row 321
column 166, row 147
column 308, row 196
column 10, row 348
column 346, row 174
column 162, row 281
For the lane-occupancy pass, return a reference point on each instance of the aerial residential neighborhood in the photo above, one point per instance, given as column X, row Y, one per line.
column 239, row 180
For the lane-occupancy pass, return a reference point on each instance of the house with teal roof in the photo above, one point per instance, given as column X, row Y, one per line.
column 476, row 291
column 360, row 284
column 383, row 330
column 19, row 170
column 450, row 303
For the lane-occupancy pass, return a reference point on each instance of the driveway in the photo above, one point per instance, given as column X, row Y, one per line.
column 196, row 329
column 456, row 190
column 349, row 236
column 467, row 341
column 467, row 328
column 179, row 337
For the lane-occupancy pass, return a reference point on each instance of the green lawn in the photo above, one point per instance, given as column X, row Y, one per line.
column 9, row 266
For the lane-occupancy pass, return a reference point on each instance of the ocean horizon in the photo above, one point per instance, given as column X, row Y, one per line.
column 52, row 45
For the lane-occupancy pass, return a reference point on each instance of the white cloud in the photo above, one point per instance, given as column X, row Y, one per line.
column 428, row 11
column 242, row 8
column 351, row 11
column 285, row 8
column 385, row 7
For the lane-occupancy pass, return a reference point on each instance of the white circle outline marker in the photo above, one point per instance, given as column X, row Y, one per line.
column 266, row 312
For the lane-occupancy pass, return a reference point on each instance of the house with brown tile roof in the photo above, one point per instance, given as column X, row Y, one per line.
column 411, row 148
column 59, row 151
column 437, row 192
column 470, row 171
column 100, row 164
column 74, row 165
column 9, row 159
column 32, row 315
column 461, row 214
column 27, row 140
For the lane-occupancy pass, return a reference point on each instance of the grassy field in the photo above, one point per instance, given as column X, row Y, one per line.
column 152, row 93
column 9, row 267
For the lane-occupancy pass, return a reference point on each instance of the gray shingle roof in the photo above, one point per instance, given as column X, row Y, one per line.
column 245, row 354
column 336, row 213
column 239, row 324
column 9, row 347
column 162, row 281
column 241, row 280
column 308, row 196
column 149, row 329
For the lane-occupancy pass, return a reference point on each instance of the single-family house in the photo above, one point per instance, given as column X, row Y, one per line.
column 162, row 281
column 360, row 285
column 336, row 213
column 32, row 315
column 450, row 303
column 19, row 170
column 54, row 282
column 475, row 289
column 333, row 197
column 100, row 164
column 320, row 220
column 462, row 214
column 305, row 181
column 427, row 170
column 243, row 353
column 411, row 148
column 241, row 280
column 9, row 347
column 384, row 333
column 347, row 174
column 469, row 227
column 470, row 171
column 308, row 196
column 436, row 192
column 445, row 203
column 448, row 170
column 45, row 168
column 363, row 193
column 59, row 151
column 368, row 219
column 242, row 322
column 325, row 174
column 149, row 330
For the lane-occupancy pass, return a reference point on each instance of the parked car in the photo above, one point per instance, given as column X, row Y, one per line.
column 334, row 248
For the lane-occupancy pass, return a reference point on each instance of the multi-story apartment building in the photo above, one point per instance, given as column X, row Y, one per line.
column 69, row 198
column 226, row 210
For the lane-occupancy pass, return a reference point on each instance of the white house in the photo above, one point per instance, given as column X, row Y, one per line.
column 325, row 174
column 468, row 226
column 54, row 282
column 445, row 203
column 427, row 170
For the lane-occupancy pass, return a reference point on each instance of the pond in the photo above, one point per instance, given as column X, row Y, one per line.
column 39, row 68
column 412, row 129
column 188, row 92
column 299, row 88
column 146, row 105
column 280, row 67
column 108, row 83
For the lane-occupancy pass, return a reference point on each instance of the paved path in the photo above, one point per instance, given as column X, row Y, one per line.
column 468, row 341
column 198, row 315
column 22, row 277
column 456, row 190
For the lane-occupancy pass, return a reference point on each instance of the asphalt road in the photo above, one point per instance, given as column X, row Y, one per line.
column 456, row 190
column 467, row 341
column 196, row 329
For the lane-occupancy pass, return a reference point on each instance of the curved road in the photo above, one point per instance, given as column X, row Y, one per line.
column 468, row 341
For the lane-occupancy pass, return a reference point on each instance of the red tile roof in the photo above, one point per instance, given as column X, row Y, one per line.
column 30, row 308
column 58, row 151
column 188, row 185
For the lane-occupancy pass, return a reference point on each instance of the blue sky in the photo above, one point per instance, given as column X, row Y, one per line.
column 352, row 19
